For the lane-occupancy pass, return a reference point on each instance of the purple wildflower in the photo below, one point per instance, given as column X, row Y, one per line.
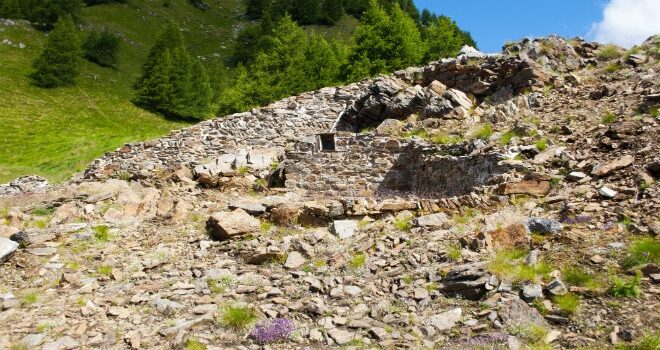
column 269, row 331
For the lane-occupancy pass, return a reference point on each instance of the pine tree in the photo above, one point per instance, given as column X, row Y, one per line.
column 332, row 10
column 384, row 43
column 172, row 81
column 47, row 12
column 59, row 63
column 155, row 91
column 201, row 100
column 10, row 9
column 443, row 39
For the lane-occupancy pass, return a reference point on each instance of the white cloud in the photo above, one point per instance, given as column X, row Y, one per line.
column 627, row 22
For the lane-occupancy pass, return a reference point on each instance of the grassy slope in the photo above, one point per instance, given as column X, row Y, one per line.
column 57, row 132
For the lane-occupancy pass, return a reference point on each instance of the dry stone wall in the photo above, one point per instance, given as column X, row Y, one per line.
column 355, row 169
column 276, row 125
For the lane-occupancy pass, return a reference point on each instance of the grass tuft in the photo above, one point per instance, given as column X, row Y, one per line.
column 403, row 224
column 642, row 251
column 454, row 252
column 625, row 287
column 102, row 233
column 609, row 118
column 567, row 303
column 609, row 52
column 194, row 344
column 357, row 261
column 104, row 270
column 484, row 132
column 648, row 342
column 541, row 145
column 509, row 265
column 237, row 316
column 576, row 276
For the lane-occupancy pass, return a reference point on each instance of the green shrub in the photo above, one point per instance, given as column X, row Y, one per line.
column 102, row 48
column 625, row 287
column 642, row 251
column 237, row 316
column 42, row 211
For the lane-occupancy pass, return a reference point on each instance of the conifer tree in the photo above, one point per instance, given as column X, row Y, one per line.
column 59, row 62
column 10, row 9
column 384, row 43
column 155, row 92
column 332, row 10
column 102, row 48
column 173, row 82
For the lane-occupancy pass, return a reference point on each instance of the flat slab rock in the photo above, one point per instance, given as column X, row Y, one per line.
column 517, row 313
column 7, row 248
column 226, row 225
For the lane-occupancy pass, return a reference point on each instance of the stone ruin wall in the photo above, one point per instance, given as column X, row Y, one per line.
column 281, row 123
column 355, row 169
column 367, row 165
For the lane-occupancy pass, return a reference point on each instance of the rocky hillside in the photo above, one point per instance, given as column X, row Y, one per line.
column 485, row 202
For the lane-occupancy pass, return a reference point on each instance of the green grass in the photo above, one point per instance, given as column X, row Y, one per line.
column 541, row 145
column 612, row 68
column 19, row 346
column 454, row 252
column 237, row 317
column 506, row 138
column 104, row 270
column 357, row 261
column 609, row 118
column 609, row 52
column 194, row 344
column 625, row 287
column 403, row 224
column 30, row 298
column 57, row 132
column 567, row 303
column 509, row 265
column 533, row 335
column 220, row 286
column 648, row 342
column 102, row 233
column 642, row 251
column 445, row 139
column 43, row 211
column 266, row 226
column 576, row 276
column 484, row 132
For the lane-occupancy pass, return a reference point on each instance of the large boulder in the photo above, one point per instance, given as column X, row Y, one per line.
column 7, row 248
column 467, row 281
column 226, row 225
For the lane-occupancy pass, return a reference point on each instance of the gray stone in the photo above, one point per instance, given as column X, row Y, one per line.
column 344, row 228
column 378, row 333
column 438, row 220
column 517, row 313
column 389, row 127
column 607, row 192
column 467, row 281
column 250, row 208
column 556, row 287
column 576, row 176
column 532, row 291
column 294, row 260
column 64, row 343
column 226, row 225
column 609, row 168
column 458, row 98
column 7, row 248
column 166, row 305
column 33, row 340
column 446, row 320
column 340, row 336
column 543, row 225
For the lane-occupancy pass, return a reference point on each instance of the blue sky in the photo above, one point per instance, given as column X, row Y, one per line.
column 493, row 22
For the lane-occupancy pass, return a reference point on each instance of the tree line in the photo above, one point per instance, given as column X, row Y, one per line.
column 275, row 59
column 272, row 59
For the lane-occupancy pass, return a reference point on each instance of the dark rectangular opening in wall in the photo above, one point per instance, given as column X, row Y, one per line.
column 328, row 142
